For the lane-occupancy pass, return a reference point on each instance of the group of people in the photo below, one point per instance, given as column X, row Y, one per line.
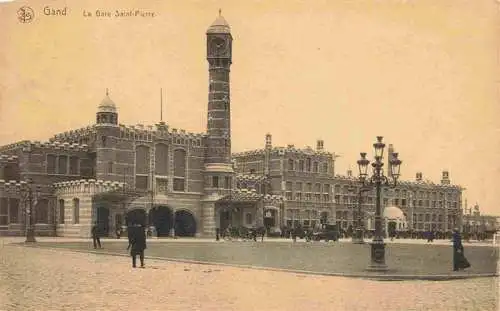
column 136, row 241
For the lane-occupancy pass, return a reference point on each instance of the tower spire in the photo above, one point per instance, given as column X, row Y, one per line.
column 107, row 92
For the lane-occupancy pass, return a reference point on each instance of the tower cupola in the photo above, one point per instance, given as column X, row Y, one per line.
column 106, row 112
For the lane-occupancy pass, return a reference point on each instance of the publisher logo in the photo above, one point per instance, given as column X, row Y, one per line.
column 25, row 14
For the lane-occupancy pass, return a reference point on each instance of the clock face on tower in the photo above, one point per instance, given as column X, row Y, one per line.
column 218, row 46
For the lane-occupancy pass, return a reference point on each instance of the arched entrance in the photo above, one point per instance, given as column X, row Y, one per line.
column 136, row 216
column 185, row 223
column 102, row 219
column 162, row 218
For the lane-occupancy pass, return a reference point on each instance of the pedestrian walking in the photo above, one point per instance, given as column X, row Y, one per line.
column 137, row 243
column 459, row 260
column 95, row 236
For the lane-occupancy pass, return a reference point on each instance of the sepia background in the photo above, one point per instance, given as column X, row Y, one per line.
column 424, row 74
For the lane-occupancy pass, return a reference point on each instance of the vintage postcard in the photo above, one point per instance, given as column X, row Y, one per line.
column 249, row 155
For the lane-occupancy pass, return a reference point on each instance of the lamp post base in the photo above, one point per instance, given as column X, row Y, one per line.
column 377, row 256
column 30, row 236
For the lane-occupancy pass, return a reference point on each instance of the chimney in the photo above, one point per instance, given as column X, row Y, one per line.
column 269, row 142
column 446, row 178
column 419, row 176
column 290, row 146
column 319, row 145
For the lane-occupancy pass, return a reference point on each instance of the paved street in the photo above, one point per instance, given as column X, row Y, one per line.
column 41, row 279
column 318, row 257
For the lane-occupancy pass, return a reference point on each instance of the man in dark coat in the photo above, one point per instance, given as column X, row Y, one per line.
column 95, row 236
column 137, row 243
column 459, row 260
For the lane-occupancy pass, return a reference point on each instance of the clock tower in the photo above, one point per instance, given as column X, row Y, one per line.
column 219, row 44
column 218, row 166
column 218, row 174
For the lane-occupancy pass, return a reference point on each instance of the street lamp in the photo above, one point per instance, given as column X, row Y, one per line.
column 378, row 180
column 28, row 195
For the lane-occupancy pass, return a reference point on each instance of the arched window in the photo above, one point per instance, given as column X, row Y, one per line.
column 291, row 164
column 161, row 159
column 141, row 167
column 179, row 169
column 42, row 212
column 61, row 211
column 76, row 211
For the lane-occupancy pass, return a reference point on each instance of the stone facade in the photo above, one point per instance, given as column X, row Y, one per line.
column 315, row 194
column 108, row 173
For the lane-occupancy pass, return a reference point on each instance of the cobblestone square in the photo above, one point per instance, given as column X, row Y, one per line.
column 317, row 257
column 46, row 279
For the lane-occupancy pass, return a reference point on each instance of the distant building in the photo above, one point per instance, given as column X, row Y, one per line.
column 476, row 223
column 315, row 194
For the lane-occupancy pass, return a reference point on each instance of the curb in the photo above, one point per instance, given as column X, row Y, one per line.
column 367, row 275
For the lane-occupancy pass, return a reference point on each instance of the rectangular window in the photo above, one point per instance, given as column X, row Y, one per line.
column 141, row 182
column 288, row 195
column 301, row 165
column 317, row 187
column 326, row 188
column 227, row 182
column 4, row 212
column 63, row 165
column 51, row 164
column 178, row 184
column 308, row 165
column 308, row 187
column 73, row 165
column 86, row 168
column 298, row 187
column 14, row 211
column 324, row 167
column 76, row 211
column 337, row 199
column 315, row 167
column 215, row 181
column 248, row 219
column 61, row 211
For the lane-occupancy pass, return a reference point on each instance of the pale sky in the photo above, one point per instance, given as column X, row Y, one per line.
column 424, row 74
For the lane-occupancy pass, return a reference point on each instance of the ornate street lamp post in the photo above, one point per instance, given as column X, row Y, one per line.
column 28, row 196
column 378, row 180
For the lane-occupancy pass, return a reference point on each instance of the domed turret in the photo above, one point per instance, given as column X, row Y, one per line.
column 220, row 25
column 106, row 112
